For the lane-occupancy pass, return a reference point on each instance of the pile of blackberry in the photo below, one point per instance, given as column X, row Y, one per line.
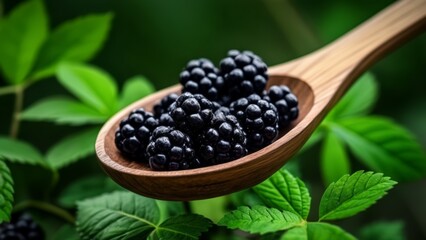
column 21, row 227
column 222, row 114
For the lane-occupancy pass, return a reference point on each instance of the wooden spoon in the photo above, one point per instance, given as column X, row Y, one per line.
column 319, row 80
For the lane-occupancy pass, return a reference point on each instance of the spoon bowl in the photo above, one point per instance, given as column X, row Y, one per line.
column 319, row 80
column 203, row 182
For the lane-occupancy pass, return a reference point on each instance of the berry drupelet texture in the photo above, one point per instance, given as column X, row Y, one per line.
column 201, row 77
column 171, row 149
column 224, row 141
column 161, row 110
column 244, row 74
column 192, row 113
column 285, row 102
column 259, row 119
column 164, row 104
column 22, row 227
column 134, row 134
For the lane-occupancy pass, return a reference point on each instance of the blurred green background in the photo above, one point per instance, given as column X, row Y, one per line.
column 157, row 38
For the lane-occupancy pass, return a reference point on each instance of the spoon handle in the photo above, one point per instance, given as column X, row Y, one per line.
column 332, row 69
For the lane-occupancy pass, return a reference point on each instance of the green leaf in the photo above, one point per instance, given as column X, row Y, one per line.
column 67, row 232
column 91, row 85
column 383, row 230
column 285, row 192
column 359, row 100
column 134, row 89
column 325, row 231
column 85, row 188
column 19, row 151
column 119, row 215
column 189, row 226
column 352, row 194
column 296, row 233
column 246, row 197
column 383, row 146
column 21, row 37
column 334, row 160
column 76, row 40
column 260, row 219
column 316, row 136
column 213, row 208
column 170, row 208
column 6, row 192
column 317, row 231
column 63, row 110
column 72, row 148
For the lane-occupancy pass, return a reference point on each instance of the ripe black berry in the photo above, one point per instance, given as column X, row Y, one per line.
column 259, row 119
column 163, row 106
column 192, row 113
column 132, row 137
column 285, row 102
column 244, row 74
column 224, row 141
column 21, row 227
column 200, row 77
column 171, row 149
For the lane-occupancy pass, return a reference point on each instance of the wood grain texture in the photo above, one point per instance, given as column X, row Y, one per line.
column 319, row 80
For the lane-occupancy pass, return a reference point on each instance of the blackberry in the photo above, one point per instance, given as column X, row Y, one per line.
column 285, row 102
column 22, row 227
column 163, row 106
column 244, row 74
column 192, row 113
column 223, row 110
column 224, row 141
column 259, row 119
column 171, row 149
column 132, row 137
column 200, row 77
column 166, row 120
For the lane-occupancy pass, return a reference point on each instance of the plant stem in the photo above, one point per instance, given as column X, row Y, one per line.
column 47, row 207
column 295, row 29
column 19, row 100
column 53, row 183
column 7, row 90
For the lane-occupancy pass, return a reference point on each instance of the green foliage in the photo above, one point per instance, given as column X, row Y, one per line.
column 182, row 227
column 63, row 110
column 260, row 219
column 285, row 192
column 21, row 37
column 352, row 194
column 334, row 160
column 352, row 104
column 317, row 231
column 170, row 208
column 379, row 143
column 344, row 198
column 383, row 146
column 19, row 151
column 91, row 85
column 124, row 215
column 72, row 148
column 213, row 208
column 67, row 232
column 84, row 188
column 120, row 215
column 383, row 230
column 6, row 192
column 135, row 88
column 96, row 91
column 76, row 40
column 28, row 52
